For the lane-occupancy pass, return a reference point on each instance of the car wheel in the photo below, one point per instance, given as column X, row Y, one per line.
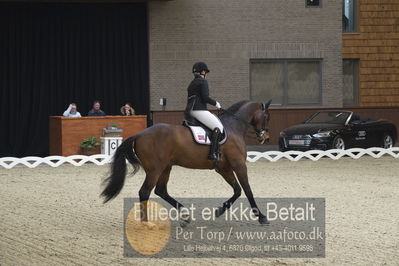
column 338, row 143
column 387, row 141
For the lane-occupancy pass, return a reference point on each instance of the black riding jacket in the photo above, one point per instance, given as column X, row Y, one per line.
column 198, row 94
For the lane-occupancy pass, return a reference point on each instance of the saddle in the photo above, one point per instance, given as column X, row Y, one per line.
column 200, row 132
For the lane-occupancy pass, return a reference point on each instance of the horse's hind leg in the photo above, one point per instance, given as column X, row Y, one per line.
column 162, row 191
column 230, row 178
column 144, row 193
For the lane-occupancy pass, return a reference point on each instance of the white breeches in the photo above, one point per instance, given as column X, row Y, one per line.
column 208, row 119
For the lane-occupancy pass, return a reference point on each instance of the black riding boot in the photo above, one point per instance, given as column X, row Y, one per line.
column 214, row 152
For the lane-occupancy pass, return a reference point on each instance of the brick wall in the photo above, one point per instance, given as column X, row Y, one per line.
column 228, row 33
column 376, row 45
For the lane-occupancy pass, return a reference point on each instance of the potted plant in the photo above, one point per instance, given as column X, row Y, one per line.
column 90, row 146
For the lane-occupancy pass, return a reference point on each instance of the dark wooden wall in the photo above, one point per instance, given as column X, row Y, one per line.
column 283, row 118
column 376, row 45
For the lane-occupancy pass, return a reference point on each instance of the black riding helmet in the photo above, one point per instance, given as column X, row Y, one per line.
column 199, row 67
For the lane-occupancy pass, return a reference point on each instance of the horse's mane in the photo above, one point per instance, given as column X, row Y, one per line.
column 227, row 116
column 235, row 107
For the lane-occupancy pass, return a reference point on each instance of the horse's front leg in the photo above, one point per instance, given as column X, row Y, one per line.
column 242, row 175
column 230, row 178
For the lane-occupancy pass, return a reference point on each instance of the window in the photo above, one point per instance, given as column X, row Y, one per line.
column 313, row 3
column 286, row 82
column 349, row 16
column 350, row 81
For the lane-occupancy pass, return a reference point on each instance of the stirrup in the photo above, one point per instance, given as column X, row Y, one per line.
column 214, row 156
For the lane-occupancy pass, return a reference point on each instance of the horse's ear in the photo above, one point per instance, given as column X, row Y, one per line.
column 266, row 105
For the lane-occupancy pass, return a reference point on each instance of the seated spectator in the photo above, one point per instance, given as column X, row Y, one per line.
column 127, row 109
column 72, row 111
column 96, row 111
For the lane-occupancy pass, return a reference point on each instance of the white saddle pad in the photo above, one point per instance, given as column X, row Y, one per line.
column 201, row 137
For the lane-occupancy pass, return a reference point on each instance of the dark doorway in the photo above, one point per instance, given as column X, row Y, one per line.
column 52, row 54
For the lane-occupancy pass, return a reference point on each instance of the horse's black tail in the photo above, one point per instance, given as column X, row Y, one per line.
column 114, row 183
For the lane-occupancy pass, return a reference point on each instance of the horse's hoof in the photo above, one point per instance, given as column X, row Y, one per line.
column 219, row 211
column 263, row 220
column 184, row 221
column 148, row 225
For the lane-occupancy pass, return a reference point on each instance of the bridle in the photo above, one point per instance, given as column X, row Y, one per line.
column 264, row 129
column 258, row 131
column 261, row 131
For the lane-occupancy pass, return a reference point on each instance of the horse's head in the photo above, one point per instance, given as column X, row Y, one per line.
column 260, row 122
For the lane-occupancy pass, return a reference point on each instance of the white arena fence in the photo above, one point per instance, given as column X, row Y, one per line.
column 252, row 156
column 314, row 155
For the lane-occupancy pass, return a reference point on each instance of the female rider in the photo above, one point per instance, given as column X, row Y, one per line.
column 198, row 98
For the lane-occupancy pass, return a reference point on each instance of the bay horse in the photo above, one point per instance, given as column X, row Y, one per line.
column 161, row 146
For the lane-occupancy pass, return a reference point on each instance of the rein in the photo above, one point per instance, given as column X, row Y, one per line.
column 236, row 117
column 258, row 132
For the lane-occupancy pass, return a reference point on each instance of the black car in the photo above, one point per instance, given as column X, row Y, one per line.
column 336, row 129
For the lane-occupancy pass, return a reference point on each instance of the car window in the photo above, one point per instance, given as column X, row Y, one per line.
column 355, row 117
column 329, row 117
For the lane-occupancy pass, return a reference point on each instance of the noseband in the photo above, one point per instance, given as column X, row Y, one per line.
column 260, row 132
